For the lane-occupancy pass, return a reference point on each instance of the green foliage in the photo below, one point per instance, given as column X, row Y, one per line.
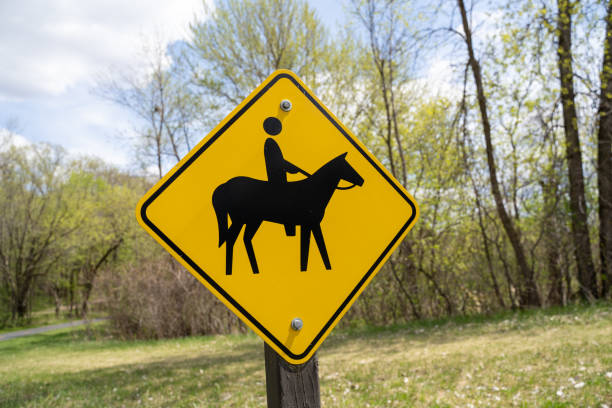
column 457, row 260
column 60, row 222
column 33, row 217
column 240, row 43
column 101, row 201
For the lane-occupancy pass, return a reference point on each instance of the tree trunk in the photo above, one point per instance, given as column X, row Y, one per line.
column 400, row 282
column 447, row 300
column 85, row 301
column 73, row 280
column 57, row 299
column 553, row 252
column 487, row 251
column 90, row 275
column 565, row 256
column 604, row 160
column 555, row 295
column 21, row 309
column 552, row 235
column 22, row 294
column 528, row 292
column 580, row 228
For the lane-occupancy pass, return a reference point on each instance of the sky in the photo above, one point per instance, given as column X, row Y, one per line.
column 52, row 53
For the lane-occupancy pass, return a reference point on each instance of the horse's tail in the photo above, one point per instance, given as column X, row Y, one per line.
column 220, row 205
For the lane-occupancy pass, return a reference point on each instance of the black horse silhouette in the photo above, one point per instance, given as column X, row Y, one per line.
column 249, row 202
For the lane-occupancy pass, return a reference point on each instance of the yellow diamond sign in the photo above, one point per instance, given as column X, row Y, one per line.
column 282, row 213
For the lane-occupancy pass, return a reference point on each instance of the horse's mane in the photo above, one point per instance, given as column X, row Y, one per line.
column 330, row 163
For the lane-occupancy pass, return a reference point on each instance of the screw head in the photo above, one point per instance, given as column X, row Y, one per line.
column 297, row 324
column 285, row 105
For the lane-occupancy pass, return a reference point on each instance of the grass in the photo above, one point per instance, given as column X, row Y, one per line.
column 549, row 358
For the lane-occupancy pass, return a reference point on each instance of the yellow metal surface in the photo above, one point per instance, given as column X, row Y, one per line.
column 361, row 226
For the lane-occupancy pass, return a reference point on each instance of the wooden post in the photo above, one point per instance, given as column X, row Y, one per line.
column 289, row 385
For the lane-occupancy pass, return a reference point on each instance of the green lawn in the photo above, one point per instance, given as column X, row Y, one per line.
column 553, row 358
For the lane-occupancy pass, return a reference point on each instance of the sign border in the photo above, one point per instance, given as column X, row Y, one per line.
column 141, row 211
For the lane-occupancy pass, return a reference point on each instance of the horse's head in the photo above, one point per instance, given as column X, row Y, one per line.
column 346, row 172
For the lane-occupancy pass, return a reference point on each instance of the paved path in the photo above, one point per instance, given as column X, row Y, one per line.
column 43, row 329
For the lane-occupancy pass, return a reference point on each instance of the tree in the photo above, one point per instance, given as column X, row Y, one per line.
column 106, row 199
column 389, row 47
column 529, row 292
column 580, row 229
column 604, row 159
column 241, row 42
column 33, row 217
column 157, row 93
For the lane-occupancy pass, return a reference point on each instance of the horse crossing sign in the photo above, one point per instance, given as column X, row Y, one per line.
column 279, row 170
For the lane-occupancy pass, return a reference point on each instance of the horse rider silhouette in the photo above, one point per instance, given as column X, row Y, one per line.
column 248, row 202
column 276, row 165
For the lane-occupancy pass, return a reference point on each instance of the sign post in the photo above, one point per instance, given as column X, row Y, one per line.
column 285, row 216
column 289, row 385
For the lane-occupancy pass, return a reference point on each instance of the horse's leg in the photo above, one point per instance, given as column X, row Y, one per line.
column 290, row 230
column 304, row 246
column 232, row 234
column 316, row 231
column 249, row 232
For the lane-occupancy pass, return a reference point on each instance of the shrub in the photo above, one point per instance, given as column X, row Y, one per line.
column 158, row 298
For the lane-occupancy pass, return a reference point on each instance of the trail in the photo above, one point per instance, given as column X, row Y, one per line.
column 43, row 329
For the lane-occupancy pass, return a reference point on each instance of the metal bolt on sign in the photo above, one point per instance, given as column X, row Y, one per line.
column 297, row 324
column 285, row 105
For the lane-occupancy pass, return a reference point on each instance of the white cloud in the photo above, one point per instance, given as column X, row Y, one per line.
column 49, row 46
column 52, row 52
column 12, row 138
column 440, row 79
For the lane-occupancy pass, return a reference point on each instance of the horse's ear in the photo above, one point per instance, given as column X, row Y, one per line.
column 342, row 156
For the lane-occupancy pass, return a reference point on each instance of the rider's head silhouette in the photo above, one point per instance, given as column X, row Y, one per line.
column 272, row 126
